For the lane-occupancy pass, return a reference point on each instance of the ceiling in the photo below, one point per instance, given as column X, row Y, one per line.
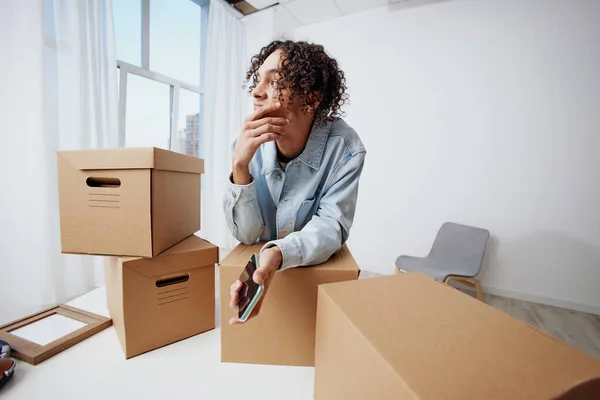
column 311, row 11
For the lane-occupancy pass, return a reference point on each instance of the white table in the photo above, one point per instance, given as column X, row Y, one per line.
column 190, row 369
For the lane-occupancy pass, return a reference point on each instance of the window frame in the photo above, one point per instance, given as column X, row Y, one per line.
column 175, row 84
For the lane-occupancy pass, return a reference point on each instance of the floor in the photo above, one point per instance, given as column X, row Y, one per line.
column 578, row 329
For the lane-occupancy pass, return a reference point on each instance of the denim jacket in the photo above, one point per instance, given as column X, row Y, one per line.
column 306, row 210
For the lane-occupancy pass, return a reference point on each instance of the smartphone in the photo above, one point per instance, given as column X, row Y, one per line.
column 251, row 291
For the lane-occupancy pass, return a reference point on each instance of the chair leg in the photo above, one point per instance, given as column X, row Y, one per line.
column 473, row 283
column 478, row 290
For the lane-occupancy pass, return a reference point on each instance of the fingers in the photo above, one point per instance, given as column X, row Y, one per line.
column 236, row 285
column 266, row 128
column 270, row 259
column 267, row 137
column 234, row 295
column 263, row 121
column 262, row 111
column 260, row 275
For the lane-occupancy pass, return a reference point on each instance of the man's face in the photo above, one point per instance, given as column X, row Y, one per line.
column 267, row 91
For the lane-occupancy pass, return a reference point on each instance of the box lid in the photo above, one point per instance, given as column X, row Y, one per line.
column 342, row 260
column 190, row 253
column 132, row 158
column 445, row 344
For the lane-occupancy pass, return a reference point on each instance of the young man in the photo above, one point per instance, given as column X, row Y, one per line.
column 295, row 165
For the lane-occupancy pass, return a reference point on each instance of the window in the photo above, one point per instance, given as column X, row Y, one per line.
column 148, row 121
column 128, row 30
column 175, row 39
column 189, row 120
column 160, row 46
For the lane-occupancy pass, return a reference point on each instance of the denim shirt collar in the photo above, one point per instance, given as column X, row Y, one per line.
column 311, row 155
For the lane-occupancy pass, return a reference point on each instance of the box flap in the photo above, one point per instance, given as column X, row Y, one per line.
column 190, row 253
column 445, row 344
column 240, row 254
column 132, row 158
column 340, row 261
column 173, row 161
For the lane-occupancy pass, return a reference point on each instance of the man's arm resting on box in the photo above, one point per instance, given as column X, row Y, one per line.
column 242, row 212
column 329, row 228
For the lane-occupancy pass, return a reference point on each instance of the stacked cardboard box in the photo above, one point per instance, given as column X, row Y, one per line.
column 284, row 331
column 141, row 206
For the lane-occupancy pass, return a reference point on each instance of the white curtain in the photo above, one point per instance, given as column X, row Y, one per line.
column 224, row 109
column 61, row 93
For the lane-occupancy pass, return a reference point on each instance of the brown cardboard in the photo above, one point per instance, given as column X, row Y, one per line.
column 127, row 201
column 147, row 314
column 409, row 336
column 284, row 331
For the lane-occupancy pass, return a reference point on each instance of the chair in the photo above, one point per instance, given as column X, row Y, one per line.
column 456, row 255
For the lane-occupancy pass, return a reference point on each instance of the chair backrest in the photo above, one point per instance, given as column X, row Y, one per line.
column 462, row 244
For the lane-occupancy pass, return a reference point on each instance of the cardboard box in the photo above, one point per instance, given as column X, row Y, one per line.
column 284, row 331
column 157, row 301
column 411, row 337
column 127, row 201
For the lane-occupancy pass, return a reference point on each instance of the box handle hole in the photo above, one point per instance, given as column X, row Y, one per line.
column 172, row 281
column 103, row 182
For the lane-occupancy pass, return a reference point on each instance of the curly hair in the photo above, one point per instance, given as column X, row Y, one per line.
column 309, row 74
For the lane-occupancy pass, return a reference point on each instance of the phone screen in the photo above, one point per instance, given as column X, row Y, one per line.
column 249, row 287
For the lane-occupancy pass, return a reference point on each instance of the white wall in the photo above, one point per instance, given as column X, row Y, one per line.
column 264, row 26
column 284, row 23
column 484, row 113
column 259, row 32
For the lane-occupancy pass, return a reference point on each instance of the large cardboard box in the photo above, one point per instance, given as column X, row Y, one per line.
column 284, row 331
column 127, row 201
column 410, row 337
column 157, row 301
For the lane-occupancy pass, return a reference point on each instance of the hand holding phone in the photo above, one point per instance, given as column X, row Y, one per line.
column 247, row 295
column 250, row 292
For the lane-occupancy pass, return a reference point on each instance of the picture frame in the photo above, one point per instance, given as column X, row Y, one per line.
column 34, row 353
